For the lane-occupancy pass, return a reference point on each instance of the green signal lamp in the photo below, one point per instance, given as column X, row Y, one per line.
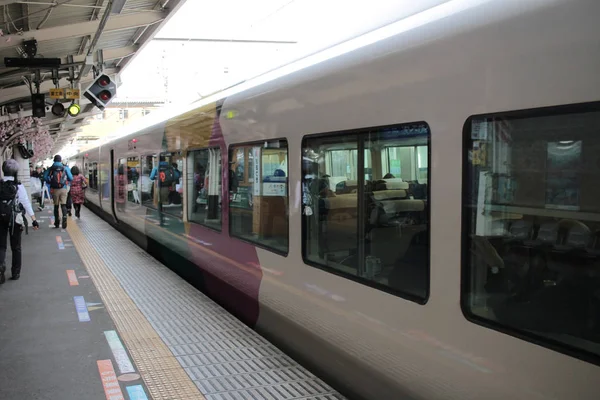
column 74, row 110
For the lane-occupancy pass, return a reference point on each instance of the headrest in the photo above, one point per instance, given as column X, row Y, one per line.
column 396, row 183
column 382, row 195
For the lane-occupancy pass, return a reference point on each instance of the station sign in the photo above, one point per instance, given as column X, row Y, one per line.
column 57, row 93
column 72, row 94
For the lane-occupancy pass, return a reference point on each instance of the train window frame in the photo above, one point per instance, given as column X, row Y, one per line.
column 189, row 152
column 225, row 172
column 467, row 224
column 358, row 132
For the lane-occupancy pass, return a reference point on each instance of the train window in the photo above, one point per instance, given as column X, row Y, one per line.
column 365, row 206
column 133, row 179
column 532, row 225
column 258, row 194
column 145, row 182
column 121, row 184
column 167, row 175
column 93, row 175
column 204, row 187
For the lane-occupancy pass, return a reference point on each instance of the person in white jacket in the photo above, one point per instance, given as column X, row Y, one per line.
column 13, row 199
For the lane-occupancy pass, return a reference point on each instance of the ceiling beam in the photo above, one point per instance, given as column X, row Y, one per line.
column 115, row 23
column 108, row 54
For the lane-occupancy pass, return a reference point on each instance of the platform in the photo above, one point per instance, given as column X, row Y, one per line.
column 95, row 317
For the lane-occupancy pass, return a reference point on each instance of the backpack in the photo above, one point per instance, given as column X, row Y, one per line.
column 8, row 201
column 166, row 175
column 58, row 177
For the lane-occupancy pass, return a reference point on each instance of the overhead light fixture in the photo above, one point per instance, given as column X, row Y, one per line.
column 58, row 109
column 74, row 110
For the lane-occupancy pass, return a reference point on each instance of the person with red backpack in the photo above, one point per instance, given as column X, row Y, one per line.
column 59, row 176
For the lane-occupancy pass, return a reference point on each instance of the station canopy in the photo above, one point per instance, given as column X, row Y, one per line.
column 74, row 31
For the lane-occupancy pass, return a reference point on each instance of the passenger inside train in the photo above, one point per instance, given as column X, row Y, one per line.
column 366, row 211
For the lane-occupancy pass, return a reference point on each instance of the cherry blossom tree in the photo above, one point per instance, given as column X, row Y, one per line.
column 30, row 130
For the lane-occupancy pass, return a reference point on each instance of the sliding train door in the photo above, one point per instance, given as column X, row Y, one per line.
column 113, row 168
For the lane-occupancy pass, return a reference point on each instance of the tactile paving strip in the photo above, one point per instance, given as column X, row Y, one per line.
column 160, row 370
column 224, row 358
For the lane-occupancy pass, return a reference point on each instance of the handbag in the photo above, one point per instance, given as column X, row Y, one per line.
column 83, row 183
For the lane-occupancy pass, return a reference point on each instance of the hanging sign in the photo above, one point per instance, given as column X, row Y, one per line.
column 256, row 152
column 57, row 93
column 72, row 94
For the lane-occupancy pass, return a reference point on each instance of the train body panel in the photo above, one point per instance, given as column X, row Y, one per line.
column 440, row 67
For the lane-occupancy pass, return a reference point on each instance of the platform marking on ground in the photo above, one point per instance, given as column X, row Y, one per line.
column 136, row 393
column 163, row 376
column 72, row 278
column 112, row 389
column 84, row 277
column 121, row 357
column 59, row 242
column 94, row 306
column 129, row 377
column 80, row 306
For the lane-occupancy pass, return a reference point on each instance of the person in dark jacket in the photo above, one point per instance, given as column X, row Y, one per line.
column 13, row 228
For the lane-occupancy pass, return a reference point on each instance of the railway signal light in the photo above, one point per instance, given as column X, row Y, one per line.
column 58, row 109
column 38, row 105
column 74, row 110
column 101, row 92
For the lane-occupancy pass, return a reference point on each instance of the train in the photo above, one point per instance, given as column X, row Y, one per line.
column 412, row 214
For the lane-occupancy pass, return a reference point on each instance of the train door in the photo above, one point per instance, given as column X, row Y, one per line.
column 113, row 168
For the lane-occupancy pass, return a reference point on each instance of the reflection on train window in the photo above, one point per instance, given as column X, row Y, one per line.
column 133, row 179
column 146, row 185
column 533, row 225
column 384, row 240
column 168, row 188
column 204, row 187
column 121, row 185
column 93, row 175
column 105, row 168
column 258, row 198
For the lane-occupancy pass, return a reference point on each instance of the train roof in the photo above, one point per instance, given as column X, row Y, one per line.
column 449, row 18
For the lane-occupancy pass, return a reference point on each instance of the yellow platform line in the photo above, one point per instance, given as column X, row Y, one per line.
column 163, row 375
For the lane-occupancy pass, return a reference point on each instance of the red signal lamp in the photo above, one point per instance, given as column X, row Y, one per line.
column 103, row 81
column 104, row 95
column 86, row 154
column 134, row 140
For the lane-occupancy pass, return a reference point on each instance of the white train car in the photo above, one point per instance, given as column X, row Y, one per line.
column 414, row 214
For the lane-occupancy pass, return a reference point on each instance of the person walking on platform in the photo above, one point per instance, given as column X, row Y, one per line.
column 77, row 191
column 13, row 201
column 58, row 176
column 69, row 199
